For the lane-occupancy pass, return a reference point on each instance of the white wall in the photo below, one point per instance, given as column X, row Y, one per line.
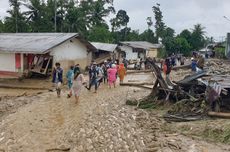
column 130, row 55
column 69, row 51
column 7, row 62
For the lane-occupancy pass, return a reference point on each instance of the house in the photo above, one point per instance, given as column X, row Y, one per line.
column 105, row 51
column 38, row 52
column 139, row 49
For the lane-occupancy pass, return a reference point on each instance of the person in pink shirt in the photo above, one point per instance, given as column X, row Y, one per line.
column 112, row 75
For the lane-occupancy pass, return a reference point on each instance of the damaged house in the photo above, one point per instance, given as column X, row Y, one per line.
column 38, row 52
column 139, row 49
column 105, row 51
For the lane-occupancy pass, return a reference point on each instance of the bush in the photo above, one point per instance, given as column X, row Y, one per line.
column 220, row 53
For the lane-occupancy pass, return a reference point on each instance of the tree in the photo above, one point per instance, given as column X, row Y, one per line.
column 159, row 25
column 182, row 46
column 1, row 26
column 16, row 21
column 100, row 34
column 186, row 34
column 121, row 20
column 197, row 37
column 148, row 35
column 149, row 22
column 99, row 11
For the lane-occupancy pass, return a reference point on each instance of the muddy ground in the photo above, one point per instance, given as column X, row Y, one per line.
column 99, row 122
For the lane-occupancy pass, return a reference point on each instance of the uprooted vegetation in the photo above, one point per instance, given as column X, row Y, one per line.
column 185, row 101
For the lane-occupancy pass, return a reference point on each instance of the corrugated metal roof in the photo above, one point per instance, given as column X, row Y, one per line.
column 142, row 44
column 105, row 46
column 32, row 42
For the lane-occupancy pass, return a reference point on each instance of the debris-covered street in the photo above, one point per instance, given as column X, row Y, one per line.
column 100, row 122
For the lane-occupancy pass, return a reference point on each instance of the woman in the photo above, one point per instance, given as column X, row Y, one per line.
column 77, row 85
column 112, row 75
column 121, row 72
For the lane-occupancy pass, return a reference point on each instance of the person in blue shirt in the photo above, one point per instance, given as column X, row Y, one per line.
column 193, row 65
column 58, row 78
column 69, row 76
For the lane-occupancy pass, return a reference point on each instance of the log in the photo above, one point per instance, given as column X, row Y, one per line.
column 219, row 114
column 138, row 71
column 135, row 85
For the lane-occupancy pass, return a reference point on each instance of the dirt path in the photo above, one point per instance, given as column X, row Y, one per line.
column 100, row 122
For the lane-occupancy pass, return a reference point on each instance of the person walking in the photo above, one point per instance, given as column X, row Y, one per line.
column 112, row 75
column 77, row 68
column 58, row 78
column 121, row 72
column 93, row 73
column 70, row 76
column 78, row 82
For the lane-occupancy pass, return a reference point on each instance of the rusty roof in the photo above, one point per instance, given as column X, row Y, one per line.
column 38, row 43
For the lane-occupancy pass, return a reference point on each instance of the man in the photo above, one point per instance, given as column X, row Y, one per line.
column 193, row 65
column 58, row 78
column 93, row 75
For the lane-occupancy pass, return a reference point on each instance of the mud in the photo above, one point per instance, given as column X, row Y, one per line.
column 99, row 122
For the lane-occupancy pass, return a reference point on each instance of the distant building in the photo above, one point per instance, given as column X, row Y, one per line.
column 38, row 52
column 105, row 51
column 139, row 49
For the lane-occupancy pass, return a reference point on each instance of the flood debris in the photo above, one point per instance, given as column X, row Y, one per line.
column 196, row 95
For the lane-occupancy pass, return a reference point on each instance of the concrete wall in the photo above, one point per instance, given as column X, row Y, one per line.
column 7, row 62
column 130, row 55
column 152, row 53
column 69, row 53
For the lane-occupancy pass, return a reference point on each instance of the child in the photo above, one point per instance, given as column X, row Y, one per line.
column 77, row 85
column 58, row 78
column 112, row 75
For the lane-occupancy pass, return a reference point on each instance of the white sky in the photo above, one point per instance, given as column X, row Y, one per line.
column 178, row 14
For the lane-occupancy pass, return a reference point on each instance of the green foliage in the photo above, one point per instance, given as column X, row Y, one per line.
column 100, row 34
column 198, row 40
column 148, row 35
column 220, row 52
column 182, row 46
column 162, row 53
column 159, row 25
column 121, row 19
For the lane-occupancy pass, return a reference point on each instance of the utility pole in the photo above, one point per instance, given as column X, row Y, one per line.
column 55, row 16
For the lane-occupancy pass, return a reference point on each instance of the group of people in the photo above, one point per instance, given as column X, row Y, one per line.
column 107, row 72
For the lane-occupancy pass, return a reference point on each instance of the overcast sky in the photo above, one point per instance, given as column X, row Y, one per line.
column 178, row 14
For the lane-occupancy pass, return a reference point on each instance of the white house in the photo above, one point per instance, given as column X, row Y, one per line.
column 38, row 52
column 139, row 49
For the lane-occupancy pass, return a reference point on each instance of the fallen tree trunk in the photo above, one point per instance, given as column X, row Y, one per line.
column 136, row 85
column 219, row 114
column 138, row 71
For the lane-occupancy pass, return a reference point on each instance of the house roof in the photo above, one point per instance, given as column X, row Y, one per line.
column 38, row 43
column 141, row 44
column 104, row 46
